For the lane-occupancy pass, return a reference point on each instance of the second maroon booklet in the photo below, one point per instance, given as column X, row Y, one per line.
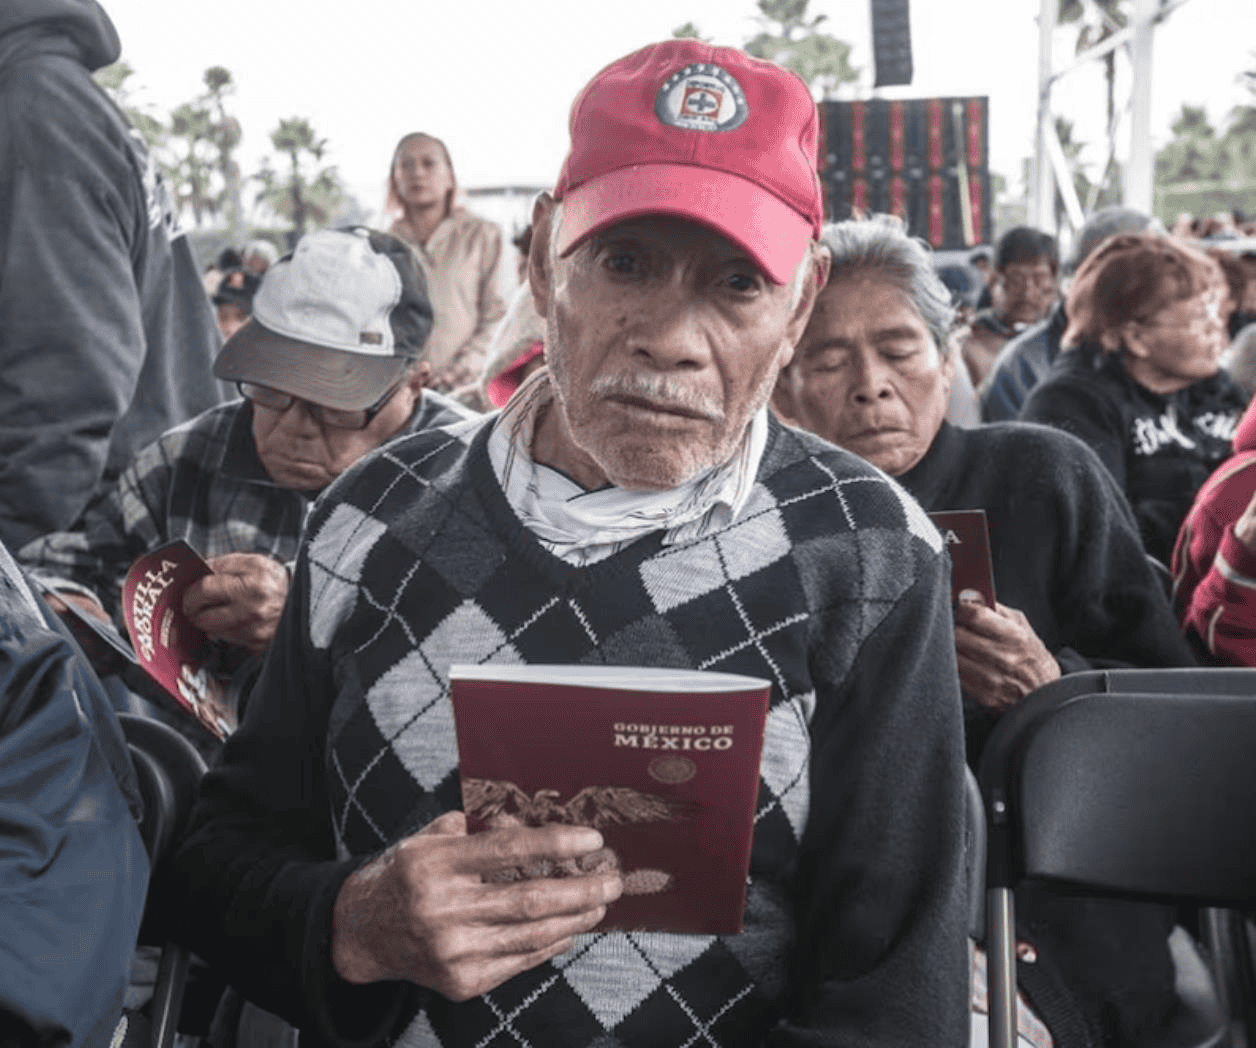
column 664, row 763
column 967, row 537
column 167, row 646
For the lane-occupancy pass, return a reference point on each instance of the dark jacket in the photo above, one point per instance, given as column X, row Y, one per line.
column 73, row 871
column 1066, row 552
column 1160, row 448
column 106, row 334
column 1063, row 544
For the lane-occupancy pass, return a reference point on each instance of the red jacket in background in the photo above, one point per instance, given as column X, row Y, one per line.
column 1214, row 574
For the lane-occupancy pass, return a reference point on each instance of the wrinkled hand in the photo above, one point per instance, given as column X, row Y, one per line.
column 1245, row 526
column 103, row 658
column 1001, row 659
column 241, row 601
column 423, row 912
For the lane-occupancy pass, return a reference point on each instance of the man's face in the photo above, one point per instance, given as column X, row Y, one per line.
column 301, row 453
column 663, row 340
column 867, row 374
column 1024, row 291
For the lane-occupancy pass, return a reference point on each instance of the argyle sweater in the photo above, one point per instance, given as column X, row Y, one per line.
column 830, row 583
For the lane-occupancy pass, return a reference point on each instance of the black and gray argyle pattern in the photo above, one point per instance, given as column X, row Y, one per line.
column 420, row 563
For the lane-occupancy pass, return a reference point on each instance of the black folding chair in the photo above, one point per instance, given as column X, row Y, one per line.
column 169, row 769
column 1136, row 783
column 975, row 857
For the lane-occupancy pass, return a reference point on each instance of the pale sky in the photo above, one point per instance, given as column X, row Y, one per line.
column 495, row 78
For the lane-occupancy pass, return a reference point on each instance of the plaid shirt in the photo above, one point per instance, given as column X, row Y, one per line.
column 202, row 482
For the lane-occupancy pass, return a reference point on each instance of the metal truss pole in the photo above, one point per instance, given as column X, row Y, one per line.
column 1041, row 177
column 1139, row 168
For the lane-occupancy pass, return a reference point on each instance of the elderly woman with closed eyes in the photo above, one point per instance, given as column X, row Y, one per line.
column 1143, row 383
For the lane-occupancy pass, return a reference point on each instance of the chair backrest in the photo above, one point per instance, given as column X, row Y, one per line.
column 169, row 770
column 1136, row 782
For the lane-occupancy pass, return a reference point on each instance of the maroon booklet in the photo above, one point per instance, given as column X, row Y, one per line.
column 168, row 648
column 664, row 763
column 967, row 537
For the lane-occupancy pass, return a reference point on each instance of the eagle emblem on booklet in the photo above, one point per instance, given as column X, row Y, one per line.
column 663, row 763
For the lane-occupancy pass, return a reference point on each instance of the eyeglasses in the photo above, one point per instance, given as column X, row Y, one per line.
column 1018, row 283
column 1201, row 317
column 273, row 400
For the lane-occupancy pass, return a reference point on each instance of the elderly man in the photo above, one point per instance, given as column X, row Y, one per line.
column 1024, row 286
column 238, row 481
column 1074, row 589
column 633, row 505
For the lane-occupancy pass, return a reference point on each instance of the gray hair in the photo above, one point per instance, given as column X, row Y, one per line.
column 881, row 246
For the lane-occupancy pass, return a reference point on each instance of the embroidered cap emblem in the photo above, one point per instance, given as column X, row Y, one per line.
column 702, row 97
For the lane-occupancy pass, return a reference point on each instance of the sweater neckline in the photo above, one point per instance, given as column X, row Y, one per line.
column 927, row 480
column 521, row 542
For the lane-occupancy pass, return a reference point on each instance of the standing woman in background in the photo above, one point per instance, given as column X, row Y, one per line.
column 461, row 254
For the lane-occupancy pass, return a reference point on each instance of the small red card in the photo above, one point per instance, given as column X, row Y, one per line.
column 967, row 537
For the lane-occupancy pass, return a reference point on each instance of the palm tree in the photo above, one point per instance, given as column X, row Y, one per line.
column 225, row 135
column 300, row 197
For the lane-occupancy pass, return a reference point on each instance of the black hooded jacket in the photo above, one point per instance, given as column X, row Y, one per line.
column 106, row 335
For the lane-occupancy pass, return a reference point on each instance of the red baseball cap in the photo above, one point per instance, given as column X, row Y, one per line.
column 700, row 132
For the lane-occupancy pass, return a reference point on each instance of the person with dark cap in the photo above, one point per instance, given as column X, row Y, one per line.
column 1023, row 287
column 233, row 300
column 330, row 365
column 635, row 504
column 980, row 258
column 1025, row 360
column 106, row 334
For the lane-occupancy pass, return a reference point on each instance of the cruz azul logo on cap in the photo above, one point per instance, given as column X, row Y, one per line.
column 702, row 97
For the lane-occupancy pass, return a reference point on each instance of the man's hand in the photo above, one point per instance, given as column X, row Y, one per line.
column 103, row 658
column 241, row 601
column 1001, row 659
column 423, row 912
column 90, row 606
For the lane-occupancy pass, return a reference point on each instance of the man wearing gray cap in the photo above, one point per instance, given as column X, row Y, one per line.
column 330, row 367
column 1025, row 360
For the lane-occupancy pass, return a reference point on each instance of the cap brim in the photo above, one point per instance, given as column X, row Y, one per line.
column 330, row 377
column 771, row 232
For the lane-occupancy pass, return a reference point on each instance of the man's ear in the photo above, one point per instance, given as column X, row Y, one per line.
column 783, row 400
column 813, row 284
column 539, row 273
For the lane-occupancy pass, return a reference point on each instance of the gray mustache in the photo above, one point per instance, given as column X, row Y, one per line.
column 664, row 392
